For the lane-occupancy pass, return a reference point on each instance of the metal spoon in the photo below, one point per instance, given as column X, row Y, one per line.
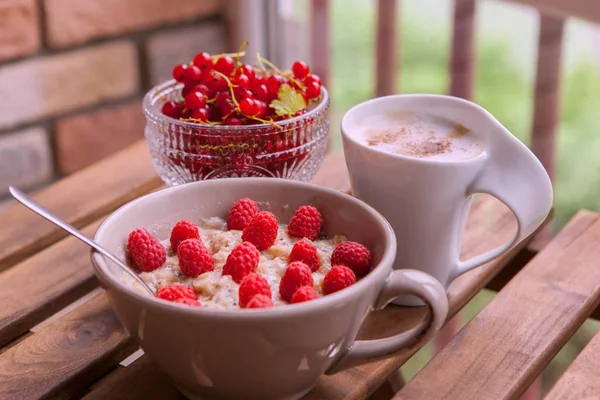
column 32, row 205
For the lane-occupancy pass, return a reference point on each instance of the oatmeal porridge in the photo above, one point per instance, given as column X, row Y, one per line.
column 217, row 265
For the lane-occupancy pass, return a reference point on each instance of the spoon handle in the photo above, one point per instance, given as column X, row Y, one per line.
column 37, row 208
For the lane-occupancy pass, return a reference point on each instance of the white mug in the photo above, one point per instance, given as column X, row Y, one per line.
column 427, row 201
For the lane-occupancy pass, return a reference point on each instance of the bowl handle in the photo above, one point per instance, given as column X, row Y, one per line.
column 400, row 282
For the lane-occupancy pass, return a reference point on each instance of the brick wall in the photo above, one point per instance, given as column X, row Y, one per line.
column 73, row 72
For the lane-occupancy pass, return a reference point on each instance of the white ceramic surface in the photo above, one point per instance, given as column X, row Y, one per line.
column 427, row 202
column 276, row 353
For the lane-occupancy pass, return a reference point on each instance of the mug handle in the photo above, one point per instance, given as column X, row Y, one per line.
column 513, row 175
column 400, row 282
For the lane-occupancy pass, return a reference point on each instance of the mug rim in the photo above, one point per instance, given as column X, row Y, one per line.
column 324, row 303
column 424, row 160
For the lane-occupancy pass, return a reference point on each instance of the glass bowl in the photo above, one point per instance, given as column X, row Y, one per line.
column 185, row 152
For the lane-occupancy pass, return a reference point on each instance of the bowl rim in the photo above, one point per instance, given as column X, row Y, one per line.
column 321, row 304
column 154, row 114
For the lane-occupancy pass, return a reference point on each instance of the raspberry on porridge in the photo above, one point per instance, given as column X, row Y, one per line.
column 224, row 270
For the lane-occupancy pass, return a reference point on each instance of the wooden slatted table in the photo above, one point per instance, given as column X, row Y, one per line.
column 60, row 339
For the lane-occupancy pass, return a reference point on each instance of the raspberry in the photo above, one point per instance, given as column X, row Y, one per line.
column 304, row 293
column 306, row 252
column 260, row 301
column 306, row 222
column 147, row 252
column 194, row 258
column 261, row 231
column 188, row 302
column 241, row 214
column 252, row 285
column 354, row 256
column 338, row 278
column 296, row 275
column 174, row 292
column 181, row 231
column 242, row 260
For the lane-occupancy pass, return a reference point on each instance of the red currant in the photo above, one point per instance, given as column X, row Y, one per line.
column 274, row 82
column 171, row 109
column 243, row 81
column 300, row 69
column 232, row 121
column 200, row 113
column 226, row 108
column 214, row 114
column 192, row 75
column 222, row 98
column 247, row 70
column 178, row 72
column 241, row 93
column 202, row 89
column 195, row 100
column 186, row 113
column 313, row 90
column 194, row 88
column 312, row 78
column 259, row 80
column 248, row 106
column 203, row 61
column 262, row 108
column 261, row 92
column 225, row 65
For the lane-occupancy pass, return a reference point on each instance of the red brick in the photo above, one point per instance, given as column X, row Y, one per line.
column 25, row 159
column 19, row 33
column 77, row 21
column 51, row 85
column 178, row 46
column 86, row 138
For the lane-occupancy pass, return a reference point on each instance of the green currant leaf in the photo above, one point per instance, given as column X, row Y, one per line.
column 288, row 101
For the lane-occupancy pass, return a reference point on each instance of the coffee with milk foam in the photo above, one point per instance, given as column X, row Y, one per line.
column 418, row 135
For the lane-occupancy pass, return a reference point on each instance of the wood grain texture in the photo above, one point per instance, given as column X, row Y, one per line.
column 64, row 355
column 386, row 48
column 333, row 173
column 142, row 378
column 580, row 380
column 79, row 199
column 43, row 284
column 489, row 225
column 584, row 9
column 547, row 91
column 462, row 59
column 320, row 41
column 507, row 345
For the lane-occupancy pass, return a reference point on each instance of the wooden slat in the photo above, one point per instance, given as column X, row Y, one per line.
column 507, row 345
column 462, row 58
column 142, row 378
column 43, row 284
column 490, row 224
column 386, row 48
column 333, row 173
column 79, row 199
column 59, row 360
column 547, row 91
column 584, row 9
column 580, row 381
column 320, row 40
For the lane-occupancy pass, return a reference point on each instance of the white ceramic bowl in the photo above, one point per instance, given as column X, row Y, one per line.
column 276, row 353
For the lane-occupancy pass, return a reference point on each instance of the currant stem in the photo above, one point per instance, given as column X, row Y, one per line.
column 262, row 66
column 237, row 58
column 230, row 85
column 240, row 54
